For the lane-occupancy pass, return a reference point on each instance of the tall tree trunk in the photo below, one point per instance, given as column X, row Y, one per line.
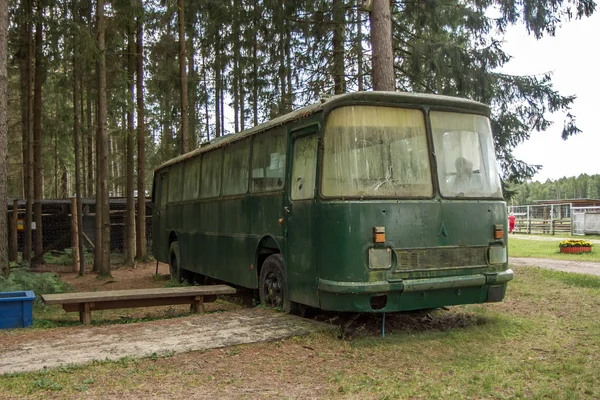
column 185, row 141
column 192, row 92
column 141, row 141
column 255, row 21
column 381, row 46
column 84, row 134
column 27, row 141
column 359, row 50
column 90, row 146
column 236, row 65
column 339, row 27
column 102, row 207
column 130, row 215
column 38, row 189
column 4, row 266
column 217, row 87
column 76, row 137
column 56, row 165
column 204, row 80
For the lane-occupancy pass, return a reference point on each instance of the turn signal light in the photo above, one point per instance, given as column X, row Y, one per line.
column 379, row 234
column 498, row 231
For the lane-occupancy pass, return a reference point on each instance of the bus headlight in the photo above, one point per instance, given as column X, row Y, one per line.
column 497, row 254
column 380, row 258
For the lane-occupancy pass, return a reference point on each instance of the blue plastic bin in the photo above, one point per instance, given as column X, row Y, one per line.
column 16, row 309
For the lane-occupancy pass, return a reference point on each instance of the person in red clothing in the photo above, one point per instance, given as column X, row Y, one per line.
column 511, row 223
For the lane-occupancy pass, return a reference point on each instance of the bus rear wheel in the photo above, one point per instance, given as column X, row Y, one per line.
column 177, row 273
column 272, row 289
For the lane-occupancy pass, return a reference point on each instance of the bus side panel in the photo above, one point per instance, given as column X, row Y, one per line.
column 303, row 246
column 206, row 242
column 188, row 237
column 264, row 212
column 234, row 244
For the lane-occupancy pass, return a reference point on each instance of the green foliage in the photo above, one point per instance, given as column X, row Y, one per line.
column 268, row 57
column 44, row 283
column 583, row 186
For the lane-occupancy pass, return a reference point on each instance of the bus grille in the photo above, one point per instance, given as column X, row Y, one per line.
column 441, row 258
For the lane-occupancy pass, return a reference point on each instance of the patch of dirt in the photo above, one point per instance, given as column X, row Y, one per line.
column 198, row 332
column 140, row 277
column 582, row 267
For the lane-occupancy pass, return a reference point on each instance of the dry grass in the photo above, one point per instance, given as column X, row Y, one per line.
column 542, row 342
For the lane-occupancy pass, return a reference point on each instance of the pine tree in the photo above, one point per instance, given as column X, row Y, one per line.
column 4, row 266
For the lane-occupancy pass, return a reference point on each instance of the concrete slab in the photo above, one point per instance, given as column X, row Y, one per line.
column 82, row 345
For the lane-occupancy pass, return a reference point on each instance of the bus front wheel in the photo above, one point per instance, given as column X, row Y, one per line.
column 272, row 290
column 177, row 273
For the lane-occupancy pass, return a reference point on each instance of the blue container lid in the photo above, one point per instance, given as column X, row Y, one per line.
column 26, row 295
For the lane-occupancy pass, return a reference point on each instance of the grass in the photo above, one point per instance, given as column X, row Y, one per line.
column 543, row 341
column 518, row 247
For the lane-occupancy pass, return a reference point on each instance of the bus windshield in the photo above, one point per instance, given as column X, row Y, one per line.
column 465, row 155
column 372, row 151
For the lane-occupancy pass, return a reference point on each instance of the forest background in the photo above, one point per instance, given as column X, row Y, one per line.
column 118, row 87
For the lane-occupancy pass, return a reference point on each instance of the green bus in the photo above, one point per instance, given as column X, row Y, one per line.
column 364, row 202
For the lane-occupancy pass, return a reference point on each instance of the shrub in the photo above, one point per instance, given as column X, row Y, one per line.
column 22, row 279
column 575, row 243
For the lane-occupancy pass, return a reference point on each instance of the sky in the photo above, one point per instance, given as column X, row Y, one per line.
column 573, row 56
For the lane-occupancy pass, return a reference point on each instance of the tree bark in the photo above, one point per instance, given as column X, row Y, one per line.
column 141, row 142
column 102, row 206
column 185, row 141
column 90, row 147
column 339, row 27
column 38, row 190
column 217, row 87
column 78, row 250
column 236, row 66
column 130, row 215
column 192, row 92
column 359, row 50
column 381, row 46
column 255, row 63
column 27, row 140
column 4, row 265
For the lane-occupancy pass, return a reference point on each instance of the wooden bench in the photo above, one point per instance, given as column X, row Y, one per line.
column 86, row 302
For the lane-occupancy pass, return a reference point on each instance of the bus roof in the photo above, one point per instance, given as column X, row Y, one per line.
column 333, row 102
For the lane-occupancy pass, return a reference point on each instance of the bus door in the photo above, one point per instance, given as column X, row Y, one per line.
column 159, row 234
column 301, row 261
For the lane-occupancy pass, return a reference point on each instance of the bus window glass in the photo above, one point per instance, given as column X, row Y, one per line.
column 465, row 155
column 191, row 184
column 162, row 190
column 304, row 168
column 175, row 182
column 376, row 152
column 268, row 162
column 210, row 184
column 235, row 168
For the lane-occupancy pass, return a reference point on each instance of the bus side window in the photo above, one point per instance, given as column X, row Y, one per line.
column 268, row 162
column 162, row 190
column 191, row 188
column 175, row 183
column 235, row 168
column 304, row 168
column 210, row 183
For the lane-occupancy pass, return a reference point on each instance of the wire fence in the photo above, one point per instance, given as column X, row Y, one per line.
column 542, row 219
column 57, row 221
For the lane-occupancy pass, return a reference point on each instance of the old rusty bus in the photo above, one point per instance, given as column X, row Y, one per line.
column 367, row 202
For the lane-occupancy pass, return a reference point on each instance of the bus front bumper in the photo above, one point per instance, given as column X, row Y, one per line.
column 413, row 294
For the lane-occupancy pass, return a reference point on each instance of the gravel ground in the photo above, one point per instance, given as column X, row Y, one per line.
column 583, row 267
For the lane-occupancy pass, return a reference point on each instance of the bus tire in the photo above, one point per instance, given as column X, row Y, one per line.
column 177, row 273
column 272, row 285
